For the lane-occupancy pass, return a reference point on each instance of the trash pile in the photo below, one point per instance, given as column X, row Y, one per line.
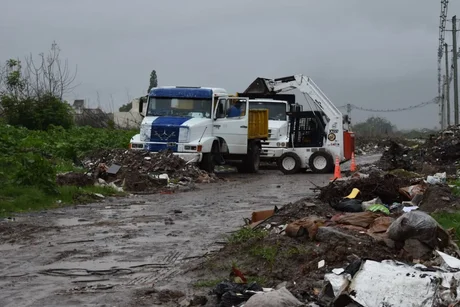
column 438, row 154
column 350, row 243
column 137, row 171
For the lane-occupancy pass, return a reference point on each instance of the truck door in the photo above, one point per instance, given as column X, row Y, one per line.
column 232, row 123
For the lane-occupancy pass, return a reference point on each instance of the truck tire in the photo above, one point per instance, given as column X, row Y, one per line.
column 251, row 162
column 289, row 163
column 321, row 162
column 208, row 162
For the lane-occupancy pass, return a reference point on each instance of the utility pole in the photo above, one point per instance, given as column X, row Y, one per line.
column 447, row 93
column 454, row 43
column 442, row 104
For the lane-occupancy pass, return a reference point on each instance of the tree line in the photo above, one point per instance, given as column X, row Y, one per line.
column 32, row 91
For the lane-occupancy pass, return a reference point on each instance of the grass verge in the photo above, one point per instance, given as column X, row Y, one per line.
column 449, row 220
column 23, row 199
column 246, row 234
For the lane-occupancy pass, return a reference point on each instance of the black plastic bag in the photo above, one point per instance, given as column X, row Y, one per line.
column 231, row 294
column 348, row 205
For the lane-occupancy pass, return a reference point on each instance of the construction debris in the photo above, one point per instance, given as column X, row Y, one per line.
column 142, row 171
column 438, row 154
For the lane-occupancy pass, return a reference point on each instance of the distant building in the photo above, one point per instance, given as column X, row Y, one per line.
column 131, row 119
column 90, row 117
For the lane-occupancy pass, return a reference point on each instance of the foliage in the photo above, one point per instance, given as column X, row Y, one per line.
column 153, row 80
column 449, row 220
column 30, row 159
column 126, row 107
column 21, row 199
column 374, row 127
column 37, row 113
column 32, row 96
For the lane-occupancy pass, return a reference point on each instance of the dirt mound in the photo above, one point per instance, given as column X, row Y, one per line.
column 300, row 209
column 385, row 187
column 437, row 154
column 438, row 198
column 74, row 179
column 398, row 156
column 140, row 171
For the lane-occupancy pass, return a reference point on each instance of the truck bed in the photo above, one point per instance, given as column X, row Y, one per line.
column 258, row 124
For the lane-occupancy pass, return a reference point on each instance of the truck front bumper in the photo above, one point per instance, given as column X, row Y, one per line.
column 190, row 157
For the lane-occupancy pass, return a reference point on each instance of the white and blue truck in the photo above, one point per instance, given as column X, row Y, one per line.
column 195, row 124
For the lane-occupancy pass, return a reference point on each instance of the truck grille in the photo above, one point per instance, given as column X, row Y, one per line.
column 167, row 134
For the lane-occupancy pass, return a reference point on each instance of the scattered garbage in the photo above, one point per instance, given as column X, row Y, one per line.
column 390, row 283
column 141, row 171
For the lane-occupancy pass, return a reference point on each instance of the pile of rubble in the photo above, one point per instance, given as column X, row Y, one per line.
column 137, row 171
column 325, row 249
column 440, row 153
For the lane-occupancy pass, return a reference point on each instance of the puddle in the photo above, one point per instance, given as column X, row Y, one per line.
column 73, row 221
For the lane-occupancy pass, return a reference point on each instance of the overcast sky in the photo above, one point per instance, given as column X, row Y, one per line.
column 374, row 54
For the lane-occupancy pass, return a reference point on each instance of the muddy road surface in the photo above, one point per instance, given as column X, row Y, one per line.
column 102, row 254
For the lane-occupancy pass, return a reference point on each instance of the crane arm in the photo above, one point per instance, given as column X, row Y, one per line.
column 307, row 87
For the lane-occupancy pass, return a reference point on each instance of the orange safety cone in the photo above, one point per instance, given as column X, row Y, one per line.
column 337, row 172
column 353, row 163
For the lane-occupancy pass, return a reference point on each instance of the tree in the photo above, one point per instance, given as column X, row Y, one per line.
column 126, row 107
column 374, row 127
column 32, row 96
column 153, row 80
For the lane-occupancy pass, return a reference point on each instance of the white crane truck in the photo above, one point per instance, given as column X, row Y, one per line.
column 194, row 123
column 314, row 138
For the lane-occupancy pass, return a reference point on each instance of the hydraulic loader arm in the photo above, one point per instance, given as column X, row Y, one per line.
column 307, row 87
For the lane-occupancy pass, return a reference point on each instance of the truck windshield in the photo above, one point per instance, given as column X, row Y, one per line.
column 198, row 108
column 276, row 110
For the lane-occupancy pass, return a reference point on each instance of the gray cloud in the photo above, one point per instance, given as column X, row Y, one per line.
column 375, row 54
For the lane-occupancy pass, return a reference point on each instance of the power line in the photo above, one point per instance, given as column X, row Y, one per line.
column 420, row 105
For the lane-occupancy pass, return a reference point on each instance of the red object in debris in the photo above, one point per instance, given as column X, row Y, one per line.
column 166, row 192
column 239, row 274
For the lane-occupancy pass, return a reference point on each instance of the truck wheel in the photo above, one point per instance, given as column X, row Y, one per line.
column 289, row 163
column 207, row 162
column 321, row 162
column 252, row 161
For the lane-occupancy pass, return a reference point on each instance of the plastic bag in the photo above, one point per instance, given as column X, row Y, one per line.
column 277, row 298
column 231, row 294
column 349, row 205
column 415, row 225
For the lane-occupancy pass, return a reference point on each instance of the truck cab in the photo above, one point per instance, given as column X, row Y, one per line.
column 195, row 124
column 277, row 127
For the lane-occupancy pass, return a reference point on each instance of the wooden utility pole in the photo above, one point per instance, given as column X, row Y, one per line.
column 454, row 50
column 447, row 93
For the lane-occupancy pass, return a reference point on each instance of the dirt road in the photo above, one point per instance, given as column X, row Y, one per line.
column 100, row 254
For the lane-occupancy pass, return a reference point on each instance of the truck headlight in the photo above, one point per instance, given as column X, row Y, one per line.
column 184, row 135
column 145, row 133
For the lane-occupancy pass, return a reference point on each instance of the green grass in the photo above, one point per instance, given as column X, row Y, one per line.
column 15, row 199
column 449, row 220
column 207, row 283
column 246, row 234
column 267, row 253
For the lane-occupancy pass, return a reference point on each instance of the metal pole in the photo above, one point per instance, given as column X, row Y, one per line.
column 454, row 43
column 447, row 94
